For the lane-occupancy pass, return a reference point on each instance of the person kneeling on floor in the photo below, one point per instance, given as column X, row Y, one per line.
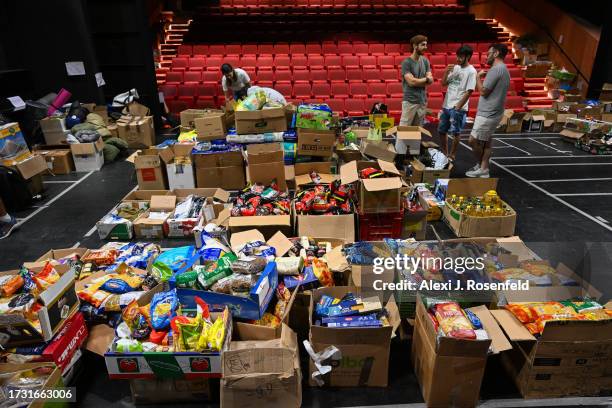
column 490, row 108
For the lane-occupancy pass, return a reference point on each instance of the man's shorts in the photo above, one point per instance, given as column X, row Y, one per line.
column 412, row 114
column 452, row 121
column 485, row 127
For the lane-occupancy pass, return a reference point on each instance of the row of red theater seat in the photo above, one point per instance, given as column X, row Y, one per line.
column 286, row 61
column 337, row 3
column 350, row 106
column 326, row 47
column 339, row 90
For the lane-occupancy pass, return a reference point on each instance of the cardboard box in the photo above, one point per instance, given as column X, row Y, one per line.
column 302, row 171
column 88, row 156
column 53, row 381
column 54, row 130
column 256, row 304
column 100, row 110
column 606, row 92
column 179, row 165
column 183, row 227
column 464, row 225
column 514, row 123
column 171, row 391
column 561, row 119
column 188, row 117
column 224, row 170
column 450, row 370
column 261, row 121
column 570, row 358
column 266, row 163
column 67, row 342
column 59, row 158
column 32, row 169
column 365, row 351
column 534, row 122
column 149, row 171
column 143, row 197
column 375, row 195
column 268, row 225
column 408, row 138
column 211, row 125
column 378, row 150
column 59, row 302
column 252, row 365
column 422, row 174
column 114, row 227
column 176, row 365
column 151, row 223
column 311, row 142
column 347, row 155
column 13, row 147
column 137, row 131
column 55, row 254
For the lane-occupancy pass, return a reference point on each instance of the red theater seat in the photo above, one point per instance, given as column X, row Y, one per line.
column 354, row 107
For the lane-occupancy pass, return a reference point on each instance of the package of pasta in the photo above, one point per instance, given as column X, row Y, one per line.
column 453, row 322
column 136, row 321
column 215, row 334
column 122, row 283
column 322, row 272
column 10, row 284
column 554, row 309
column 291, row 265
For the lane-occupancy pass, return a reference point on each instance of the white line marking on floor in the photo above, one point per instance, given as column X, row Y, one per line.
column 435, row 232
column 578, row 210
column 549, row 146
column 517, row 148
column 570, row 180
column 19, row 219
column 502, row 147
column 59, row 181
column 602, row 219
column 90, row 232
column 581, row 194
column 39, row 206
column 525, row 138
column 76, row 245
column 557, row 164
column 57, row 197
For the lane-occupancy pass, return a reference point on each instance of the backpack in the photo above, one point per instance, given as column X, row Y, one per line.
column 14, row 190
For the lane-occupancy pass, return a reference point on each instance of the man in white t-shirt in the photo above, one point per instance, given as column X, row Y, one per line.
column 235, row 82
column 461, row 81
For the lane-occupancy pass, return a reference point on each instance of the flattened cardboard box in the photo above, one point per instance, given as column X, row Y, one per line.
column 271, row 365
column 365, row 351
column 378, row 150
column 261, row 121
column 313, row 142
column 450, row 370
column 464, row 225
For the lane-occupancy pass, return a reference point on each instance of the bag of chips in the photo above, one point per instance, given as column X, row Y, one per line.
column 164, row 307
column 453, row 322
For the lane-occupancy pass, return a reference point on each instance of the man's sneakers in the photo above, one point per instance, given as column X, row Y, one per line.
column 477, row 172
column 476, row 167
column 7, row 227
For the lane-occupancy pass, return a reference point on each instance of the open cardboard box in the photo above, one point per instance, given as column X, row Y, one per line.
column 59, row 302
column 31, row 169
column 408, row 138
column 143, row 197
column 53, row 255
column 179, row 165
column 450, row 370
column 137, row 131
column 251, row 365
column 146, row 226
column 52, row 382
column 172, row 364
column 381, row 150
column 570, row 358
column 184, row 227
column 58, row 157
column 149, row 171
column 88, row 156
column 464, row 225
column 376, row 195
column 365, row 351
column 422, row 174
column 120, row 229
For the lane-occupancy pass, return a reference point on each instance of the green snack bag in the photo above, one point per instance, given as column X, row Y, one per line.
column 208, row 275
column 161, row 271
column 187, row 279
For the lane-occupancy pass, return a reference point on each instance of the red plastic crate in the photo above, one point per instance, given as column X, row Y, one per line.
column 375, row 227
